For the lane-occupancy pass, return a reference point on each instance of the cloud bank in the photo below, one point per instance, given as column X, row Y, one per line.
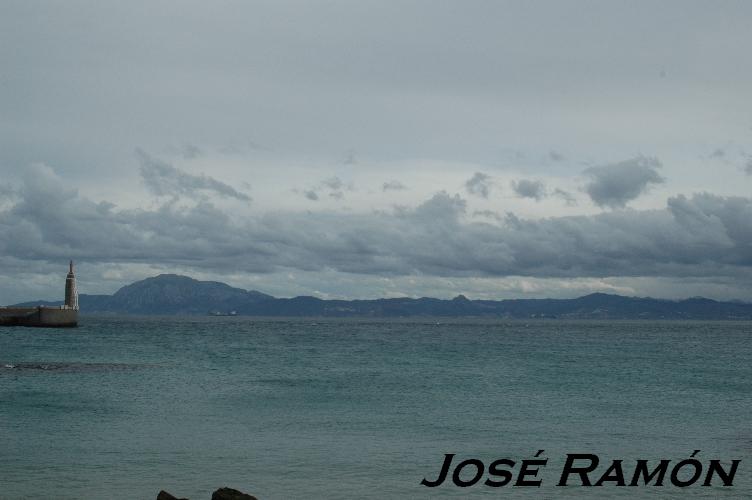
column 699, row 235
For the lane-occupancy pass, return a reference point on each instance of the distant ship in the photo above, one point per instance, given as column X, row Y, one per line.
column 46, row 316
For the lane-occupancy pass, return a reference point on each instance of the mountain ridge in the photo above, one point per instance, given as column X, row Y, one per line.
column 172, row 294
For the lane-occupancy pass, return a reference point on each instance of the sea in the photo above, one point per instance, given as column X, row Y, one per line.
column 123, row 407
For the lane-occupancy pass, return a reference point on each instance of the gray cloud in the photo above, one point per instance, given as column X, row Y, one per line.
column 527, row 188
column 7, row 191
column 555, row 156
column 717, row 153
column 748, row 166
column 487, row 213
column 616, row 184
column 703, row 235
column 191, row 151
column 568, row 197
column 479, row 185
column 334, row 187
column 162, row 179
column 350, row 157
column 333, row 183
column 393, row 185
column 442, row 207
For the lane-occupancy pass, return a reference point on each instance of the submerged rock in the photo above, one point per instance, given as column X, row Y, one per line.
column 230, row 494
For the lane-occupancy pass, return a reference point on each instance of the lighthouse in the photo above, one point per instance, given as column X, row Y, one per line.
column 71, row 294
column 57, row 316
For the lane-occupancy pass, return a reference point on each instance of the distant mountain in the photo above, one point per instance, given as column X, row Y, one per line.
column 171, row 294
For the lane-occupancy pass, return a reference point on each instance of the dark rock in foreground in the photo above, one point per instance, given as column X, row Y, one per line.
column 230, row 494
column 163, row 495
column 221, row 494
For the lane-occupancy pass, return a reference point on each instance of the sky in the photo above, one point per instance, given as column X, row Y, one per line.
column 495, row 149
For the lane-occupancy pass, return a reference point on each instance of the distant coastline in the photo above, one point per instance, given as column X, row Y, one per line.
column 170, row 294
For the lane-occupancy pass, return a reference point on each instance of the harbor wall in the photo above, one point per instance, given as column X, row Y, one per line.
column 38, row 316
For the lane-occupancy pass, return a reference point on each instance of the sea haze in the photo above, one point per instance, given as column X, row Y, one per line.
column 345, row 408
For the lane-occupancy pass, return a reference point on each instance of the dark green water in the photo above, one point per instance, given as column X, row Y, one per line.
column 124, row 407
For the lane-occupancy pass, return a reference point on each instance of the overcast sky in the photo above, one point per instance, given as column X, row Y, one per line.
column 378, row 149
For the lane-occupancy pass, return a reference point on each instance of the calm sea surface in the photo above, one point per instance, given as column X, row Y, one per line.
column 287, row 409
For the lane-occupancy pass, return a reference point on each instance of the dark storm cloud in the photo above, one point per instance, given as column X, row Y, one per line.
column 616, row 184
column 701, row 235
column 162, row 179
column 527, row 188
column 479, row 185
